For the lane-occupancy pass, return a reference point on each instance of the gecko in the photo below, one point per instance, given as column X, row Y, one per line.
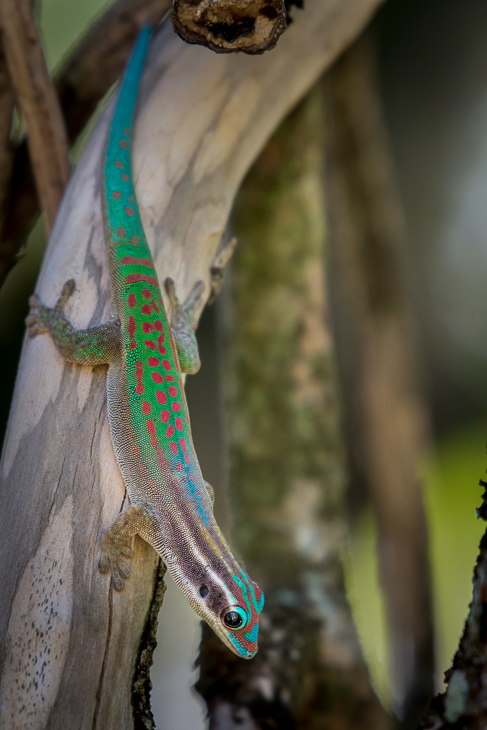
column 171, row 504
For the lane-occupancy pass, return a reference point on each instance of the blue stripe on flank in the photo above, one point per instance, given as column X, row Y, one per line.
column 252, row 635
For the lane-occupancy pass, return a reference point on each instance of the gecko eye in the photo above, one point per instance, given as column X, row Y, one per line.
column 235, row 618
column 204, row 590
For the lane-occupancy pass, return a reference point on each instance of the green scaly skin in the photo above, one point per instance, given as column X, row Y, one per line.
column 170, row 502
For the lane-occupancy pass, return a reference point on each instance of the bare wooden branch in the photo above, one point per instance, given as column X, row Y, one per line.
column 386, row 416
column 38, row 103
column 226, row 26
column 87, row 74
column 201, row 121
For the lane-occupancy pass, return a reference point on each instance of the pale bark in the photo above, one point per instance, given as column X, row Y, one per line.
column 68, row 643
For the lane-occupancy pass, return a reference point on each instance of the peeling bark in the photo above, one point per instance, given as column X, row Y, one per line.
column 227, row 26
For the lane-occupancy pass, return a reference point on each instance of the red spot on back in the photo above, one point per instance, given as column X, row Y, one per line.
column 155, row 307
column 138, row 374
column 182, row 443
column 165, row 415
column 147, row 293
column 119, row 165
column 132, row 301
column 131, row 200
column 172, row 391
column 131, row 329
column 152, row 430
column 150, row 344
column 169, row 378
column 153, row 362
column 166, row 364
column 134, row 241
column 116, row 195
column 179, row 466
column 125, row 177
column 169, row 432
column 121, row 232
column 158, row 325
column 147, row 327
column 174, row 447
column 134, row 278
column 123, row 144
column 136, row 262
column 161, row 397
column 146, row 407
column 176, row 407
column 179, row 424
column 146, row 309
column 161, row 347
column 127, row 132
column 157, row 378
column 129, row 211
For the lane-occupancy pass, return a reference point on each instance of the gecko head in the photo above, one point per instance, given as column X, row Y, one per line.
column 230, row 602
column 234, row 612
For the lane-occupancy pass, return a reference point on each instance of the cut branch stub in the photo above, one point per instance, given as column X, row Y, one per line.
column 227, row 26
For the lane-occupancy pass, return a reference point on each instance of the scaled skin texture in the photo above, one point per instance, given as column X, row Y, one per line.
column 171, row 505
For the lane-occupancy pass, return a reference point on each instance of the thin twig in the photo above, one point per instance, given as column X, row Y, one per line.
column 38, row 103
column 85, row 77
column 6, row 146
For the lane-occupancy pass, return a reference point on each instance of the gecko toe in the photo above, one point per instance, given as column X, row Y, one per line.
column 118, row 582
column 124, row 569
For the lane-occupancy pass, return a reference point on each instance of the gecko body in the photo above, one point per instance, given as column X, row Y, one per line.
column 170, row 502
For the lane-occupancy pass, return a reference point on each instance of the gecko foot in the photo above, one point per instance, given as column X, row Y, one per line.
column 112, row 560
column 39, row 315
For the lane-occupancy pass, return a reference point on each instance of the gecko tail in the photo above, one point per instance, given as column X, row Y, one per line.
column 124, row 112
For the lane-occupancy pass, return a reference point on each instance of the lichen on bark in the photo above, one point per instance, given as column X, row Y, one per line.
column 287, row 457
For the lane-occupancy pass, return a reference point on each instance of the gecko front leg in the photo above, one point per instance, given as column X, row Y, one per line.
column 183, row 325
column 93, row 346
column 133, row 520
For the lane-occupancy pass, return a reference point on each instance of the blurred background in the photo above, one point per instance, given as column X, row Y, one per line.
column 432, row 57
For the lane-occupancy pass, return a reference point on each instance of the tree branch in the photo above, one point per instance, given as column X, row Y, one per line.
column 201, row 121
column 386, row 417
column 38, row 103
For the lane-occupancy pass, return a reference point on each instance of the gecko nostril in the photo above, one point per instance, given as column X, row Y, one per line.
column 204, row 590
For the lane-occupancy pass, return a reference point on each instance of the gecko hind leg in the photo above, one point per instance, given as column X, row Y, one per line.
column 133, row 520
column 183, row 325
column 93, row 346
